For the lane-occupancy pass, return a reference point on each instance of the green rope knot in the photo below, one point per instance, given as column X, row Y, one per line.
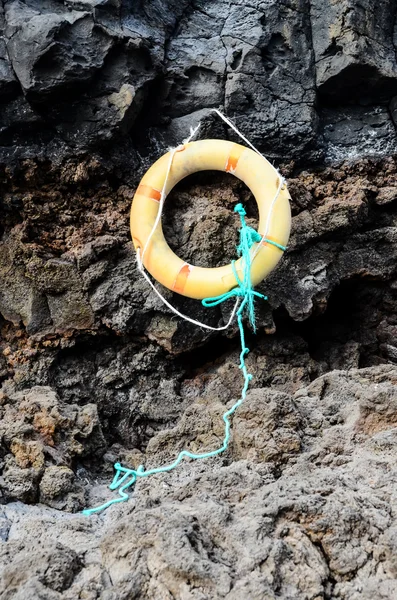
column 244, row 289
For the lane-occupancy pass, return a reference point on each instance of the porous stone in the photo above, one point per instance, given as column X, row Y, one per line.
column 95, row 370
column 317, row 523
column 37, row 430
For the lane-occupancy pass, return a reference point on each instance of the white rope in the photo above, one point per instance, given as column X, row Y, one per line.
column 269, row 214
column 232, row 126
column 162, row 196
column 177, row 311
column 280, row 177
column 160, row 212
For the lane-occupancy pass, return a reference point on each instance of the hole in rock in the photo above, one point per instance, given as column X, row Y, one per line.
column 359, row 316
column 361, row 83
column 236, row 59
column 333, row 49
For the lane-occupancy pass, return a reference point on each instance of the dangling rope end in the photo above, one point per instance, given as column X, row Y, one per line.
column 124, row 478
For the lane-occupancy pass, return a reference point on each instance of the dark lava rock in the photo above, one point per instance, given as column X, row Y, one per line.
column 115, row 77
column 94, row 369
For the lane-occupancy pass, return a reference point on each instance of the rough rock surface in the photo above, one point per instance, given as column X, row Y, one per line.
column 94, row 369
column 303, row 505
column 127, row 78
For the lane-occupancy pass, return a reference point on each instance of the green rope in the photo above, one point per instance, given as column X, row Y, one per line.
column 124, row 478
column 248, row 236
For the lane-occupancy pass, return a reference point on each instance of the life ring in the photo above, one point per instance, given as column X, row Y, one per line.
column 259, row 175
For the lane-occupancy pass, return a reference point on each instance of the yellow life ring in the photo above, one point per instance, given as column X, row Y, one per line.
column 274, row 216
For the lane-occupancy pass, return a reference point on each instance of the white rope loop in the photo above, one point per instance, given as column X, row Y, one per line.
column 174, row 310
column 173, row 151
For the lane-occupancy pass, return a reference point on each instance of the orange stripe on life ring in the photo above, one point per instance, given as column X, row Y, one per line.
column 271, row 239
column 149, row 192
column 233, row 158
column 181, row 278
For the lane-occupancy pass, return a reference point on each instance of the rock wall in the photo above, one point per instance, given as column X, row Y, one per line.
column 125, row 79
column 94, row 369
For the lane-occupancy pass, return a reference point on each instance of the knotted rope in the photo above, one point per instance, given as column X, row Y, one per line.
column 245, row 289
column 124, row 477
column 140, row 256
